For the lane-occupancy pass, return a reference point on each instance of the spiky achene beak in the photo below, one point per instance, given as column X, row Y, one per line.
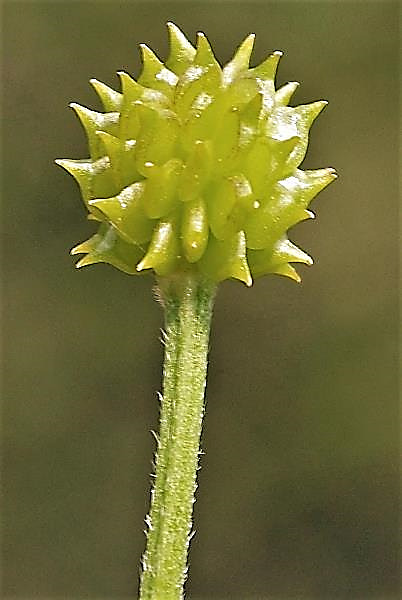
column 195, row 167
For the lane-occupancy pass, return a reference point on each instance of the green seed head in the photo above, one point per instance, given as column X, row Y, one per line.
column 195, row 167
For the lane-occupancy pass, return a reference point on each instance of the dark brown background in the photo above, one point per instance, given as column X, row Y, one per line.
column 298, row 492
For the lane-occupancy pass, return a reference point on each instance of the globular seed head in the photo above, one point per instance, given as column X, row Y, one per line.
column 197, row 167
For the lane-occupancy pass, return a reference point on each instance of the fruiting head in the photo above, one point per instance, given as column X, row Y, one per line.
column 195, row 167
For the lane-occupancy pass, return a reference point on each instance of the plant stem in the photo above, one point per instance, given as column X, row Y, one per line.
column 187, row 302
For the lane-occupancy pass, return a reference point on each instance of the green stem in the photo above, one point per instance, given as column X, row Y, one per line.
column 188, row 302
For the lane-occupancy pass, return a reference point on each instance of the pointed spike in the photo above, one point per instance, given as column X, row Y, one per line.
column 148, row 262
column 240, row 61
column 244, row 51
column 145, row 263
column 181, row 53
column 91, row 121
column 154, row 73
column 331, row 173
column 311, row 111
column 178, row 40
column 267, row 69
column 225, row 259
column 87, row 116
column 204, row 55
column 125, row 213
column 130, row 88
column 79, row 169
column 303, row 186
column 284, row 93
column 328, row 173
column 63, row 162
column 288, row 271
column 151, row 63
column 108, row 247
column 203, row 43
column 276, row 259
column 308, row 260
column 317, row 180
column 162, row 254
column 286, row 250
column 84, row 247
column 110, row 99
column 83, row 172
column 242, row 273
column 89, row 259
column 240, row 266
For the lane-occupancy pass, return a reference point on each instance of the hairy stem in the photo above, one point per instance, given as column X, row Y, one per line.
column 187, row 301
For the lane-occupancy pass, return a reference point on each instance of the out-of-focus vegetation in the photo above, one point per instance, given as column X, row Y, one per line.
column 299, row 484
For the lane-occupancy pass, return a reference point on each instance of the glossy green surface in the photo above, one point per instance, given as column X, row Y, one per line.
column 309, row 506
column 196, row 166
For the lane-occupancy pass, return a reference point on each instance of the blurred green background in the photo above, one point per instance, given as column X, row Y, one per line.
column 299, row 490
